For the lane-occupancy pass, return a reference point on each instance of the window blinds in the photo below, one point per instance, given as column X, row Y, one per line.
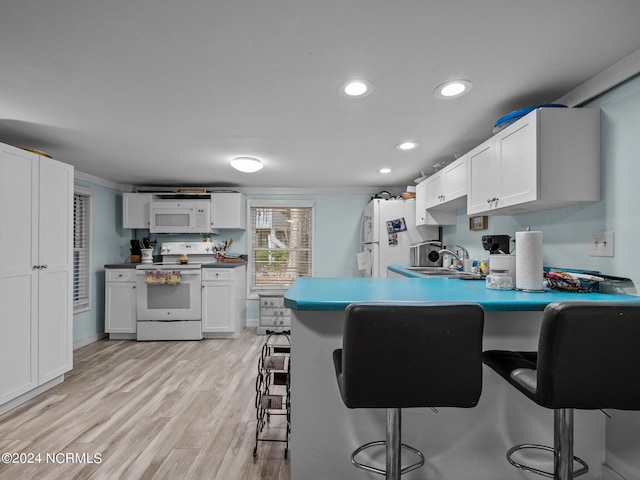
column 81, row 250
column 281, row 246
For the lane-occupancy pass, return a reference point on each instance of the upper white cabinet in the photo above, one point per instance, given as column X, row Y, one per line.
column 228, row 210
column 448, row 185
column 36, row 272
column 549, row 158
column 438, row 197
column 135, row 210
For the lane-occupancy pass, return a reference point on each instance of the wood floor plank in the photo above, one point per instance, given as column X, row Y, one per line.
column 148, row 410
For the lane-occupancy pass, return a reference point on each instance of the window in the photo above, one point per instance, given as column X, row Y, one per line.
column 281, row 243
column 81, row 249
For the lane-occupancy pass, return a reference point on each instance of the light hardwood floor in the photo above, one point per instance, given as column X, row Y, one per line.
column 149, row 410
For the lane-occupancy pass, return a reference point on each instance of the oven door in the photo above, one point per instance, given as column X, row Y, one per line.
column 166, row 302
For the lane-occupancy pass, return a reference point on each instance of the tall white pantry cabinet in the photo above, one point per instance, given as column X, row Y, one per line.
column 36, row 274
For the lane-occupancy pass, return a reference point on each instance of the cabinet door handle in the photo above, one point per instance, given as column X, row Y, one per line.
column 44, row 266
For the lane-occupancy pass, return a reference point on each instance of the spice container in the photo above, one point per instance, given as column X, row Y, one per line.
column 499, row 280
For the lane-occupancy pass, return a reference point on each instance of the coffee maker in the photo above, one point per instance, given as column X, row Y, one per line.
column 496, row 244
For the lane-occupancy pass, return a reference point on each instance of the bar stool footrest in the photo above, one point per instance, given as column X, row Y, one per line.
column 531, row 446
column 380, row 471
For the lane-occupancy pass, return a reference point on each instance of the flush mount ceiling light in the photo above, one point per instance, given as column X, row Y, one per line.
column 355, row 88
column 406, row 145
column 246, row 164
column 452, row 89
column 385, row 170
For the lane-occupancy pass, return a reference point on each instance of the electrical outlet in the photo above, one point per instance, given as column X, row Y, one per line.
column 601, row 244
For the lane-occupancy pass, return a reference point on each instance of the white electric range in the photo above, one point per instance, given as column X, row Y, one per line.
column 169, row 293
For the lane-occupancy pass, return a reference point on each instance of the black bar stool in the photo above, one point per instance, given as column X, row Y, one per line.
column 402, row 355
column 588, row 358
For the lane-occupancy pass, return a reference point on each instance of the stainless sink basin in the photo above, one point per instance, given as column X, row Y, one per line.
column 441, row 272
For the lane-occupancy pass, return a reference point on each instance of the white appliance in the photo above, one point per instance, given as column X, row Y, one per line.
column 388, row 230
column 169, row 293
column 180, row 216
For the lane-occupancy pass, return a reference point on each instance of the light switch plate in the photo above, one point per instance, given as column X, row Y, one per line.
column 601, row 244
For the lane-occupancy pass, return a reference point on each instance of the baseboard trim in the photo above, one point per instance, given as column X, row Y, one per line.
column 84, row 341
column 609, row 474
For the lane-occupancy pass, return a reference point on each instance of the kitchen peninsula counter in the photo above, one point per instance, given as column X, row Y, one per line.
column 461, row 444
column 334, row 294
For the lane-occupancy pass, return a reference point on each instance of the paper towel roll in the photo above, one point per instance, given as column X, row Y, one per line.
column 529, row 261
column 503, row 262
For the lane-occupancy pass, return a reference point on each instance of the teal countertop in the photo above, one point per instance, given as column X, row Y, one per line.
column 333, row 294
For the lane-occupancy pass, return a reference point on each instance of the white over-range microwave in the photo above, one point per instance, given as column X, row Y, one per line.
column 180, row 216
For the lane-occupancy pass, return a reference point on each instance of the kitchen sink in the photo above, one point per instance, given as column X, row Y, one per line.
column 442, row 272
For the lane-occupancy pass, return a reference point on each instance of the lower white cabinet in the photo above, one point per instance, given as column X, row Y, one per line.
column 223, row 301
column 120, row 303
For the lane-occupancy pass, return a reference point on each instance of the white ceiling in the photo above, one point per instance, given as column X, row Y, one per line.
column 166, row 92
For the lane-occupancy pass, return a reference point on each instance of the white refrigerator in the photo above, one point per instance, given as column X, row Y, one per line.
column 388, row 229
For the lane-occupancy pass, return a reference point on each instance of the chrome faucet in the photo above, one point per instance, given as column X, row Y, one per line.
column 464, row 260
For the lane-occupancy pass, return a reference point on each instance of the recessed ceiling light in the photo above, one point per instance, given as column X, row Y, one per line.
column 246, row 164
column 452, row 89
column 385, row 170
column 407, row 145
column 355, row 88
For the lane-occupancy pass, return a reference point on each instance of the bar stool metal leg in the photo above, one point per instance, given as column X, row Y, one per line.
column 394, row 446
column 563, row 457
column 394, row 434
column 563, row 444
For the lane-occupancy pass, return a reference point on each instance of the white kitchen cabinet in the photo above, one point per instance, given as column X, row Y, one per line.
column 434, row 189
column 36, row 274
column 439, row 196
column 120, row 303
column 421, row 203
column 549, row 158
column 448, row 185
column 424, row 216
column 228, row 210
column 223, row 301
column 135, row 210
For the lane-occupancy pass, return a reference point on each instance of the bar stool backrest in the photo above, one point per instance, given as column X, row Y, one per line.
column 412, row 355
column 589, row 356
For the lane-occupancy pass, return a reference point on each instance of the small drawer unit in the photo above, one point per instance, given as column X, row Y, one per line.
column 274, row 316
column 120, row 274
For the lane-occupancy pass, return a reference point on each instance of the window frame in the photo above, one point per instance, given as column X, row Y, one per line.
column 85, row 305
column 252, row 291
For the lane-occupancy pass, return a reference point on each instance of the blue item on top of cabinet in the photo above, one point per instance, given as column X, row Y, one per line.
column 509, row 118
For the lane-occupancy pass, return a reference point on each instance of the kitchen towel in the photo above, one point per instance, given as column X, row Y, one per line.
column 162, row 277
column 529, row 274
